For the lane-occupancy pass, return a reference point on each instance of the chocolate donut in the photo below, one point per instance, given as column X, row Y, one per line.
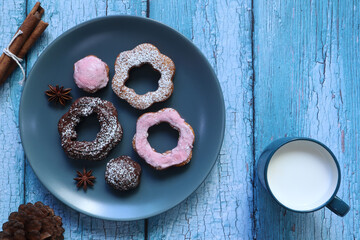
column 143, row 53
column 122, row 173
column 108, row 137
column 178, row 156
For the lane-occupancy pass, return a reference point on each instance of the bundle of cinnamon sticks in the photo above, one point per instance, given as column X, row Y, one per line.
column 32, row 29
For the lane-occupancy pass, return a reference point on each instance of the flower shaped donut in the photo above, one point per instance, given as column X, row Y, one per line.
column 178, row 156
column 143, row 53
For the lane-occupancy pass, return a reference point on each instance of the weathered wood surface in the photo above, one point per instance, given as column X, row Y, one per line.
column 222, row 207
column 61, row 16
column 307, row 84
column 286, row 68
column 11, row 152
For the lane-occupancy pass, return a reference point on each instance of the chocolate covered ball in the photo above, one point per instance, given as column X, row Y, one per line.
column 123, row 173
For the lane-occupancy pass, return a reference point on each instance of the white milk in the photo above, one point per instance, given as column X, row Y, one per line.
column 302, row 175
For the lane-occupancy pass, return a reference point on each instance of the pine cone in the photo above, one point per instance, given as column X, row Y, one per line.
column 34, row 222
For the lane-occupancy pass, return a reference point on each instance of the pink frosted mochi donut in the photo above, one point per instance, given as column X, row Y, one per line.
column 91, row 74
column 178, row 156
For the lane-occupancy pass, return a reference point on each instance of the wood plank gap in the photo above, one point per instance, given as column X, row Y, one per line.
column 26, row 7
column 25, row 69
column 24, row 176
column 252, row 32
column 146, row 224
column 147, row 8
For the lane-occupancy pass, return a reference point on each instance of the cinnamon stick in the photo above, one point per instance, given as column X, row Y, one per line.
column 37, row 8
column 28, row 26
column 39, row 29
column 29, row 21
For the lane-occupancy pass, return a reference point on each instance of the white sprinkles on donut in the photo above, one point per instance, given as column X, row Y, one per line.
column 122, row 173
column 143, row 53
column 109, row 136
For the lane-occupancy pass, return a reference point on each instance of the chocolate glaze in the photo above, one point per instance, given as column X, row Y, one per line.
column 122, row 173
column 108, row 137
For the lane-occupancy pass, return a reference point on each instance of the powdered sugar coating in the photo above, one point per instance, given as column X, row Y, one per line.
column 122, row 173
column 143, row 53
column 108, row 137
column 178, row 156
column 91, row 74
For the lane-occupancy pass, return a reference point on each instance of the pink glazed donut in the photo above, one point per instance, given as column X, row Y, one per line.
column 178, row 156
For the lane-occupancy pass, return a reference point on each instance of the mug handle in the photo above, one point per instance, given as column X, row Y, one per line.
column 338, row 206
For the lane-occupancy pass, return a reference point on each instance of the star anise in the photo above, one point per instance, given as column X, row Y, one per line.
column 84, row 179
column 58, row 94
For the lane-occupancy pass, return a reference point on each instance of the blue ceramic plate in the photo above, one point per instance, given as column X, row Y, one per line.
column 197, row 97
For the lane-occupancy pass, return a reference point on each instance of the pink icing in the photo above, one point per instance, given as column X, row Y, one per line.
column 91, row 74
column 177, row 155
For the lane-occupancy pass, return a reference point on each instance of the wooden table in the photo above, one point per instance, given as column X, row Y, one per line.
column 287, row 68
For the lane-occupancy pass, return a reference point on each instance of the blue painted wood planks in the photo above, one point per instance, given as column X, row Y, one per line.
column 11, row 152
column 286, row 69
column 306, row 84
column 222, row 207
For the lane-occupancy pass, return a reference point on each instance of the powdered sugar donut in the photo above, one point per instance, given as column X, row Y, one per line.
column 178, row 156
column 91, row 74
column 110, row 129
column 143, row 53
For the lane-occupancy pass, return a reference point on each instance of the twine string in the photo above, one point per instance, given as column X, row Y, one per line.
column 14, row 57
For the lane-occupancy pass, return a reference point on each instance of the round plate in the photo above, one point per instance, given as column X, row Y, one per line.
column 197, row 97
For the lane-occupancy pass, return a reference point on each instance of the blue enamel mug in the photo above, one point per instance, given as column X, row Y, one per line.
column 301, row 175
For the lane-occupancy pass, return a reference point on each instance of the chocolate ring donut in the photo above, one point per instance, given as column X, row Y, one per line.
column 178, row 156
column 143, row 53
column 109, row 135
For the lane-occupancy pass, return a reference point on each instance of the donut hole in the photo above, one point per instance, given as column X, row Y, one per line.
column 163, row 137
column 88, row 128
column 143, row 79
